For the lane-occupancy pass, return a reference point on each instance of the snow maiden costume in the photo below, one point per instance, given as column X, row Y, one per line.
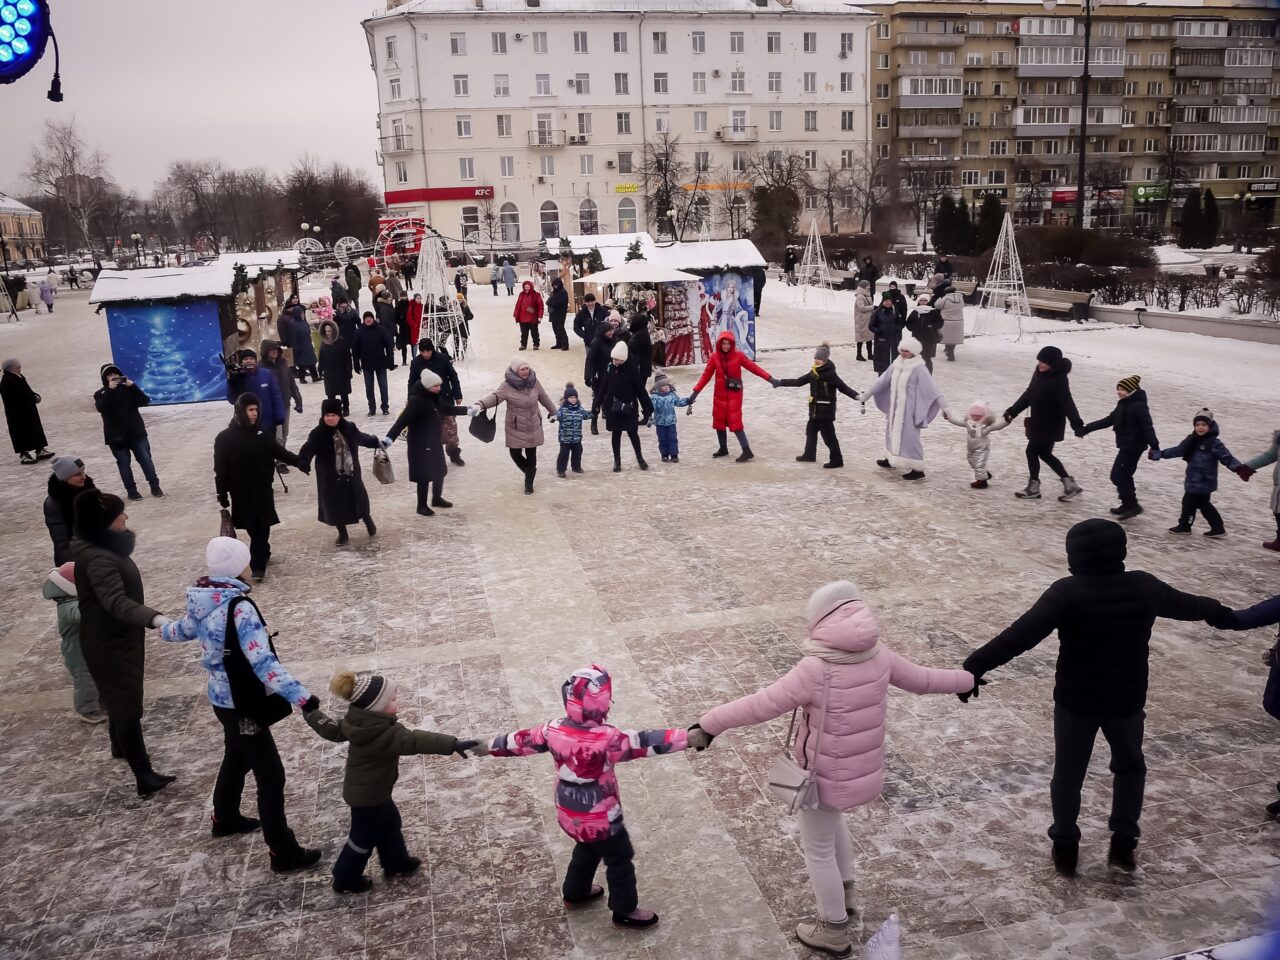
column 909, row 398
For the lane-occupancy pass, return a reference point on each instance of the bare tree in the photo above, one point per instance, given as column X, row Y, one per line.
column 1104, row 177
column 64, row 169
column 1031, row 189
column 732, row 203
column 198, row 186
column 871, row 186
column 779, row 170
column 832, row 184
column 663, row 171
column 108, row 222
column 1174, row 171
column 924, row 182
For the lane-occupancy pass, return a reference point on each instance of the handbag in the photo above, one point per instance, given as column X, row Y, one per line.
column 733, row 383
column 382, row 470
column 226, row 528
column 483, row 427
column 794, row 785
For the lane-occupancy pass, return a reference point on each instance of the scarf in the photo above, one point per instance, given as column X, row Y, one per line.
column 811, row 648
column 519, row 382
column 342, row 455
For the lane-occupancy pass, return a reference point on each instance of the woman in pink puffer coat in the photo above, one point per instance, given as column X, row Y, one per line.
column 844, row 645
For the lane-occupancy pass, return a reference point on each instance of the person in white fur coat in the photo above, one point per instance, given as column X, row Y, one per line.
column 910, row 400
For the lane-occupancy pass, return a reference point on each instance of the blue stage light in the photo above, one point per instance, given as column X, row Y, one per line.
column 23, row 27
column 8, row 14
column 6, row 55
column 25, row 7
column 24, row 32
column 6, row 33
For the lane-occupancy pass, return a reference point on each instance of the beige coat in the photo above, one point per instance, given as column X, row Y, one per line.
column 952, row 308
column 863, row 304
column 523, row 425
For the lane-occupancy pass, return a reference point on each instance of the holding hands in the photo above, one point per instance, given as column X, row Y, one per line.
column 475, row 410
column 1244, row 472
column 699, row 739
column 386, row 442
column 978, row 684
column 478, row 748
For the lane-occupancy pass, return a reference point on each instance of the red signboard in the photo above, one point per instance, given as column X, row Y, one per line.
column 438, row 193
column 1063, row 196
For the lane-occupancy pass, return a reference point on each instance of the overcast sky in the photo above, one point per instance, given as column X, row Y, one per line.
column 251, row 82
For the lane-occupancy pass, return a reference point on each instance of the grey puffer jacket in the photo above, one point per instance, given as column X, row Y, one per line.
column 952, row 307
column 977, row 436
column 863, row 304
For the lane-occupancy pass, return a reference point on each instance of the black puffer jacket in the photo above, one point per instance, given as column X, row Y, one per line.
column 59, row 516
column 1103, row 615
column 598, row 357
column 623, row 396
column 1048, row 396
column 244, row 463
column 824, row 386
column 122, row 424
column 335, row 360
column 1131, row 420
column 641, row 345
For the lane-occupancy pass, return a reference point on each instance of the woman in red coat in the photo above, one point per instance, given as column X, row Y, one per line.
column 727, row 364
column 528, row 314
column 414, row 318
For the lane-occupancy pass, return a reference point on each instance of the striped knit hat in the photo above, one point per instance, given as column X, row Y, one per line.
column 1129, row 384
column 369, row 691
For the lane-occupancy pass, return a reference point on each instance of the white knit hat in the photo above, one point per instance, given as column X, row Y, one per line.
column 829, row 598
column 226, row 557
column 910, row 344
column 430, row 378
column 619, row 351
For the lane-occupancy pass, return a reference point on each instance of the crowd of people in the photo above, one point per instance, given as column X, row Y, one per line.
column 1103, row 613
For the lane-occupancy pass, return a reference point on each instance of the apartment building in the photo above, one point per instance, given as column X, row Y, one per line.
column 983, row 99
column 530, row 119
column 21, row 231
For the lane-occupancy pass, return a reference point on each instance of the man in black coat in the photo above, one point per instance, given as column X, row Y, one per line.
column 925, row 324
column 640, row 345
column 587, row 320
column 597, row 363
column 897, row 298
column 385, row 312
column 945, row 267
column 869, row 272
column 354, row 283
column 66, row 482
column 118, row 401
column 348, row 321
column 886, row 333
column 1135, row 435
column 1048, row 396
column 370, row 352
column 824, row 386
column 557, row 310
column 244, row 465
column 437, row 359
column 1103, row 615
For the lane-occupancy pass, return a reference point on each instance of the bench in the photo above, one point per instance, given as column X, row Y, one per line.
column 1070, row 302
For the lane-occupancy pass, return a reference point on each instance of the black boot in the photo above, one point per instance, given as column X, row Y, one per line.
column 455, row 457
column 723, row 437
column 860, row 356
column 1128, row 510
column 595, row 427
column 150, row 782
column 342, row 536
column 300, row 858
column 231, row 828
column 1066, row 854
column 371, row 526
column 437, row 498
column 528, row 479
column 744, row 456
column 1120, row 854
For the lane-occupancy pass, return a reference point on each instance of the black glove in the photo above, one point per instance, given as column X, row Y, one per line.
column 644, row 422
column 1224, row 618
column 1081, row 433
column 978, row 684
column 224, row 503
column 462, row 746
column 313, row 703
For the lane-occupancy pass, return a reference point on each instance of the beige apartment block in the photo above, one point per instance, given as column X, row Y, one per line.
column 21, row 231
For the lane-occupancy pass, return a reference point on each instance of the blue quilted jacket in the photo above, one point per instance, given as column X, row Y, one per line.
column 571, row 422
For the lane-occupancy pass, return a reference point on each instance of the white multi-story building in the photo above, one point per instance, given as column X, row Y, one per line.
column 530, row 118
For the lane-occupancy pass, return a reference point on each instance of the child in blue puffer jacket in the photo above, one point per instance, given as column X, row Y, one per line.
column 571, row 414
column 1203, row 451
column 665, row 400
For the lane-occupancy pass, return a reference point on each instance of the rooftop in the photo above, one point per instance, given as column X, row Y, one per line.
column 9, row 205
column 635, row 7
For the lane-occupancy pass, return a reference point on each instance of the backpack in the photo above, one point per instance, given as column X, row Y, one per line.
column 250, row 695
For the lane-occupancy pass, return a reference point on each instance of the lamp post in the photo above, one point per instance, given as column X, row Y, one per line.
column 4, row 249
column 1087, row 7
column 137, row 247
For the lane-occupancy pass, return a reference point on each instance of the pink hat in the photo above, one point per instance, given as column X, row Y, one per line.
column 64, row 578
column 978, row 410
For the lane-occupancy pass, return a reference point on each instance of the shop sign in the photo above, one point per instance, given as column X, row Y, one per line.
column 1151, row 191
column 626, row 187
column 1063, row 196
column 423, row 195
column 717, row 186
column 983, row 192
column 1265, row 186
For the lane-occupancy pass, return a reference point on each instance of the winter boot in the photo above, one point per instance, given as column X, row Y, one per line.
column 1273, row 810
column 342, row 537
column 300, row 858
column 1216, row 532
column 1272, row 544
column 674, row 459
column 596, row 893
column 362, row 885
column 150, row 782
column 425, row 511
column 913, row 475
column 455, row 457
column 723, row 437
column 617, row 464
column 665, row 458
column 828, row 937
column 1066, row 854
column 371, row 526
column 231, row 828
column 1128, row 511
column 833, row 465
column 854, row 911
column 635, row 920
column 560, row 473
column 806, row 459
column 640, row 462
column 1070, row 489
column 411, row 866
column 156, row 491
column 528, row 479
column 134, row 495
column 1032, row 491
column 43, row 454
column 439, row 501
column 1183, row 526
column 884, row 463
column 979, row 484
column 26, row 457
column 744, row 456
column 1120, row 854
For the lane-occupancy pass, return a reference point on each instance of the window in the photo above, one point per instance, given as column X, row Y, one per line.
column 542, row 85
column 973, row 88
column 699, row 121
column 811, row 121
column 1026, row 87
column 773, row 42
column 846, row 83
column 882, row 121
column 846, row 120
column 662, row 122
column 586, row 165
column 1024, row 147
column 622, row 84
column 1201, row 28
column 738, row 82
column 391, row 48
column 969, row 178
column 882, row 151
column 882, row 31
column 775, row 121
column 659, row 83
column 1003, row 28
column 947, row 58
column 461, row 85
column 660, row 41
column 931, row 86
column 811, row 159
column 549, row 220
column 739, row 161
column 1133, row 59
column 463, row 124
column 1155, row 88
column 973, row 59
column 466, row 168
column 775, row 82
column 1160, row 29
column 393, row 88
column 584, row 124
column 624, row 123
column 998, row 148
column 846, row 43
column 997, row 89
column 846, row 159
column 882, row 61
column 1045, row 115
column 738, row 121
column 701, row 161
column 619, row 43
column 506, row 167
column 973, row 119
column 1268, row 171
column 1249, row 57
column 1162, row 59
column 624, row 162
column 509, row 223
column 737, row 41
column 970, row 148
column 810, row 43
column 540, row 42
column 548, row 165
column 626, row 215
column 975, row 27
column 501, row 85
column 1131, row 88
column 579, row 41
column 810, row 82
column 918, row 57
column 458, row 44
column 1151, row 145
column 588, row 217
column 402, row 171
column 499, row 42
column 996, row 177
column 1128, row 118
column 811, row 199
column 470, row 220
column 582, row 83
column 1052, row 147
column 882, row 91
column 699, row 38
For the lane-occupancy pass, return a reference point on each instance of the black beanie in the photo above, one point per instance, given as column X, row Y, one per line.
column 1049, row 354
column 95, row 511
column 330, row 405
column 1096, row 546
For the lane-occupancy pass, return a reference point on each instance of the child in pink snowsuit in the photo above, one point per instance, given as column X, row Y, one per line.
column 586, row 749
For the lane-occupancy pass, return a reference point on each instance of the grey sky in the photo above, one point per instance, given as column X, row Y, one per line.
column 251, row 82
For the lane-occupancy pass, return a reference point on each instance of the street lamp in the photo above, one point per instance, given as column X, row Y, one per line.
column 671, row 220
column 4, row 249
column 1087, row 7
column 137, row 247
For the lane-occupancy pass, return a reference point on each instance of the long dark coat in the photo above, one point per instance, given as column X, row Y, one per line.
column 1048, row 396
column 886, row 332
column 421, row 415
column 59, row 515
column 244, row 465
column 335, row 365
column 25, row 429
column 342, row 500
column 623, row 396
column 113, row 621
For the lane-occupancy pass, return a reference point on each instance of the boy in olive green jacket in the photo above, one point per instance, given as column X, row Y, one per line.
column 378, row 740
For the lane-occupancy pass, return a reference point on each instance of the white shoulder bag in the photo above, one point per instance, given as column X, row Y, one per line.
column 791, row 783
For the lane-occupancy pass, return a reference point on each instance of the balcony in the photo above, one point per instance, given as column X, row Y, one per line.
column 932, row 39
column 1205, row 43
column 930, row 70
column 548, row 139
column 739, row 134
column 950, row 131
column 398, row 143
column 931, row 101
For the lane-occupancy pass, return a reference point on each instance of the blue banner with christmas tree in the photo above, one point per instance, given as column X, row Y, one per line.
column 169, row 349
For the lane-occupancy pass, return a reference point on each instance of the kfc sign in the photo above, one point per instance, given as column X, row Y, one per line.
column 427, row 194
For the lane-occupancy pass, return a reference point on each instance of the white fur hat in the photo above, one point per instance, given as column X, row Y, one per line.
column 828, row 598
column 910, row 344
column 226, row 557
column 619, row 351
column 430, row 378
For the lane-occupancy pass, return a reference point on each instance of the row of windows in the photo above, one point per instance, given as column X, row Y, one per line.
column 1065, row 26
column 737, row 122
column 507, row 227
column 621, row 42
